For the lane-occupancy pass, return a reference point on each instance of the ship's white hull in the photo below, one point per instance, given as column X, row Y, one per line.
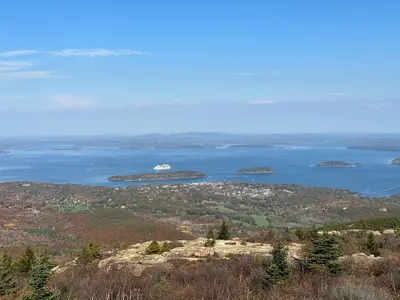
column 162, row 167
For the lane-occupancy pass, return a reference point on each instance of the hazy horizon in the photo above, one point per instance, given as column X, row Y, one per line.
column 126, row 68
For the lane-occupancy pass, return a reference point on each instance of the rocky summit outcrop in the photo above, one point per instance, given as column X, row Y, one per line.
column 137, row 260
column 361, row 259
column 374, row 232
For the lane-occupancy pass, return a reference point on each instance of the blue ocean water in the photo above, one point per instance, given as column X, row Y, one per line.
column 92, row 166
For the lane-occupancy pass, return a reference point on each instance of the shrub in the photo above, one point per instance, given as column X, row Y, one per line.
column 209, row 243
column 156, row 248
column 356, row 292
column 153, row 248
column 165, row 247
column 88, row 254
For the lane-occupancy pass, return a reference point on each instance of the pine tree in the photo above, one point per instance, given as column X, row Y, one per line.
column 25, row 262
column 7, row 280
column 210, row 235
column 40, row 275
column 277, row 269
column 210, row 241
column 312, row 234
column 372, row 245
column 223, row 233
column 324, row 253
column 299, row 232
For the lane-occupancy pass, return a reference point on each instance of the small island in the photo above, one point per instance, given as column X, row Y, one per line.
column 176, row 175
column 335, row 164
column 396, row 161
column 4, row 151
column 256, row 170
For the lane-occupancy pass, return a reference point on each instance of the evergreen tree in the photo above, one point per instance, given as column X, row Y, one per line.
column 25, row 262
column 312, row 234
column 324, row 253
column 40, row 275
column 210, row 235
column 210, row 241
column 300, row 234
column 277, row 269
column 372, row 245
column 223, row 233
column 7, row 280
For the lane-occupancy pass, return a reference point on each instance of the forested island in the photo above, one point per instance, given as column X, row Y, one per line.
column 335, row 164
column 396, row 161
column 176, row 175
column 256, row 170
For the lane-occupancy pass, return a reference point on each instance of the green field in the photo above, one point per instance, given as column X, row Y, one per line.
column 225, row 209
column 261, row 220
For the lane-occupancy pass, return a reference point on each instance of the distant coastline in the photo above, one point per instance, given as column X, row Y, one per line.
column 394, row 148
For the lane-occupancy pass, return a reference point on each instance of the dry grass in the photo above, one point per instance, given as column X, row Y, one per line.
column 238, row 278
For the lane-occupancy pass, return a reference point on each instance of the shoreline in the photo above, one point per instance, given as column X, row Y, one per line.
column 139, row 184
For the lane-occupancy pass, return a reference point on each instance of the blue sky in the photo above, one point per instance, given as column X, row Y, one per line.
column 129, row 67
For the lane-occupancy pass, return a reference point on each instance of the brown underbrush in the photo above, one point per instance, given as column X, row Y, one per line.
column 239, row 278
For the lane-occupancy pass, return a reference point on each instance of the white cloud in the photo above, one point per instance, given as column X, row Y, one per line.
column 28, row 75
column 17, row 53
column 96, row 52
column 263, row 102
column 12, row 65
column 72, row 102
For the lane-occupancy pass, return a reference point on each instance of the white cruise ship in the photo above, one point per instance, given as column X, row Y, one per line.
column 162, row 167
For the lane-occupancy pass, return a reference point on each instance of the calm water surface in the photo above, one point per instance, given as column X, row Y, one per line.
column 376, row 177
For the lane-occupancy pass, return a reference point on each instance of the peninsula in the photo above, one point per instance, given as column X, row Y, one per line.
column 335, row 164
column 176, row 175
column 396, row 161
column 256, row 170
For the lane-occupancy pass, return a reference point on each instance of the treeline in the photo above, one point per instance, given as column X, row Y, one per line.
column 379, row 224
column 26, row 277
